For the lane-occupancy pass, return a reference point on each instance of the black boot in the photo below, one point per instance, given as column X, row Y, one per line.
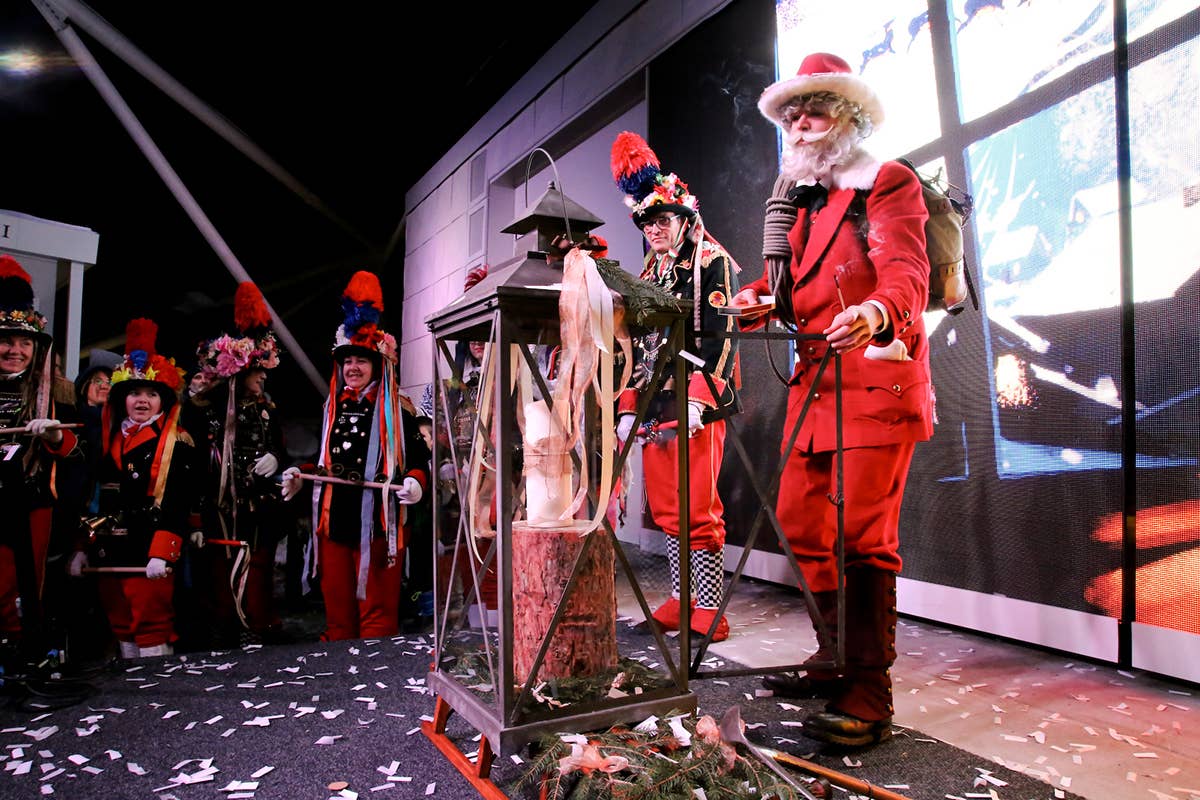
column 860, row 714
column 819, row 681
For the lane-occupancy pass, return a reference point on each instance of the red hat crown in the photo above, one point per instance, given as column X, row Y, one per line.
column 821, row 72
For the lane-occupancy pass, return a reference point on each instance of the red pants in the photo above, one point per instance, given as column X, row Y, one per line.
column 139, row 609
column 347, row 617
column 258, row 601
column 660, row 469
column 873, row 487
column 39, row 528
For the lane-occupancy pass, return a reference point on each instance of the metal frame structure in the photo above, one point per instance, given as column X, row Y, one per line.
column 516, row 309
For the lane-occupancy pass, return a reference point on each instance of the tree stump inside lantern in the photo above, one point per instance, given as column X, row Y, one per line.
column 585, row 641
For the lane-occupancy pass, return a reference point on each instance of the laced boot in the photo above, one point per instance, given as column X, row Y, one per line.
column 818, row 681
column 861, row 713
column 708, row 576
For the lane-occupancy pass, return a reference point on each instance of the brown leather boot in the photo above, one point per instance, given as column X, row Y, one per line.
column 861, row 713
column 817, row 682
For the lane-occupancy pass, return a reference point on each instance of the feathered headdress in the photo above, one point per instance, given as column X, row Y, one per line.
column 226, row 356
column 648, row 190
column 143, row 364
column 362, row 309
column 17, row 306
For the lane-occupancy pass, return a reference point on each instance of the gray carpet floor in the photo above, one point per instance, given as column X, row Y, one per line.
column 288, row 722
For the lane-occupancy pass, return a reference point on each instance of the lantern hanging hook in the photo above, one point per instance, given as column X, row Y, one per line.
column 557, row 182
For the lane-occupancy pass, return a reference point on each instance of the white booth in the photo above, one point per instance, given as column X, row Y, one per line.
column 54, row 254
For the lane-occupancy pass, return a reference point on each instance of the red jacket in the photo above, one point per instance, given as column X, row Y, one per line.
column 883, row 401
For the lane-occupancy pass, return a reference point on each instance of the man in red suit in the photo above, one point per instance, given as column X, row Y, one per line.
column 845, row 247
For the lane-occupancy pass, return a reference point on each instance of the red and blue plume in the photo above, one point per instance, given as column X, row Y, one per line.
column 362, row 302
column 249, row 309
column 635, row 167
column 140, row 335
column 16, row 290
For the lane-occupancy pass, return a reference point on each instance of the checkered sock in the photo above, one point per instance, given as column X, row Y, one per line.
column 708, row 576
column 673, row 560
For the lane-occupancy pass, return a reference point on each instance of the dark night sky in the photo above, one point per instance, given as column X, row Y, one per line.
column 355, row 99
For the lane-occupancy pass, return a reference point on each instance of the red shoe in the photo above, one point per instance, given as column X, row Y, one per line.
column 667, row 615
column 701, row 621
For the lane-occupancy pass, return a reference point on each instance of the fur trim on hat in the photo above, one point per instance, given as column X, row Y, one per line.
column 821, row 72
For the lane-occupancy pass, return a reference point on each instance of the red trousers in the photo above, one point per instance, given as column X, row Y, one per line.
column 39, row 528
column 139, row 609
column 873, row 487
column 258, row 601
column 660, row 469
column 347, row 617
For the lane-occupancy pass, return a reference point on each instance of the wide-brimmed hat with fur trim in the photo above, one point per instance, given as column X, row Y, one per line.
column 821, row 72
column 144, row 366
column 648, row 190
column 362, row 310
column 18, row 311
column 256, row 347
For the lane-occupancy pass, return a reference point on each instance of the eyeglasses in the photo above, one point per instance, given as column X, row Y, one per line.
column 662, row 222
column 101, row 382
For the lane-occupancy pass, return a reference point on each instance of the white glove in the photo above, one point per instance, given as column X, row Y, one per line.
column 157, row 568
column 197, row 539
column 625, row 426
column 291, row 483
column 447, row 472
column 694, row 423
column 409, row 492
column 78, row 561
column 265, row 466
column 45, row 429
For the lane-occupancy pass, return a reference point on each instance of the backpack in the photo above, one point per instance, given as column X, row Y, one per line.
column 949, row 278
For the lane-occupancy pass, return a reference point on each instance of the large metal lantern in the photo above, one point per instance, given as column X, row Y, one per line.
column 522, row 506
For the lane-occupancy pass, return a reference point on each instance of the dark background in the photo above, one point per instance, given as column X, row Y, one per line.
column 357, row 100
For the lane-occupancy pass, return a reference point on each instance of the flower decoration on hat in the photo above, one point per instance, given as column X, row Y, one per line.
column 362, row 309
column 17, row 311
column 256, row 347
column 648, row 190
column 142, row 362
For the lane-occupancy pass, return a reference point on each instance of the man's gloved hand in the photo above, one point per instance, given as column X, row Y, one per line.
column 78, row 562
column 46, row 429
column 625, row 426
column 157, row 568
column 409, row 492
column 695, row 410
column 266, row 465
column 197, row 539
column 290, row 483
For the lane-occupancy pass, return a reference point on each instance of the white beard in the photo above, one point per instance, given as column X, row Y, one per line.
column 814, row 160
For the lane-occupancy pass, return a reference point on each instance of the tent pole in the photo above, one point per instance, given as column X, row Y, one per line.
column 83, row 57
